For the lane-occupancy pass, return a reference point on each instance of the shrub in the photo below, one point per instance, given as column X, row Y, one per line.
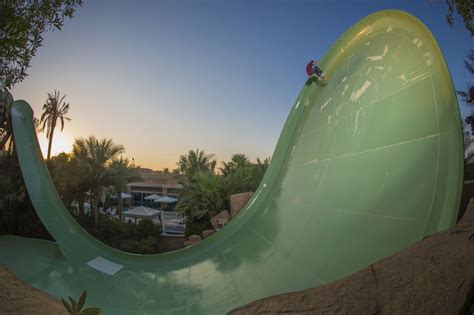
column 142, row 238
column 146, row 228
column 196, row 226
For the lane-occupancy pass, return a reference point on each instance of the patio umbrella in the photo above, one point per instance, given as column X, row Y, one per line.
column 126, row 196
column 166, row 199
column 152, row 197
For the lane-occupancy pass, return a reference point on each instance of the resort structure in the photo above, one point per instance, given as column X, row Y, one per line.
column 154, row 182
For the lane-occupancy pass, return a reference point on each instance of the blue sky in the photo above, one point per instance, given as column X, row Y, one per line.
column 163, row 77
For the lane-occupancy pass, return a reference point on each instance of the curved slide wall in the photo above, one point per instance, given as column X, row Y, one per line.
column 364, row 166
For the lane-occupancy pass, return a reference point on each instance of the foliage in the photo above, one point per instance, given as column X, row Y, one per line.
column 77, row 307
column 202, row 195
column 22, row 24
column 6, row 99
column 142, row 238
column 54, row 109
column 468, row 148
column 205, row 193
column 93, row 157
column 197, row 226
column 465, row 9
column 70, row 179
column 145, row 246
column 121, row 172
column 238, row 160
column 241, row 176
column 243, row 179
column 469, row 61
column 147, row 229
column 17, row 215
column 468, row 95
column 468, row 156
column 194, row 162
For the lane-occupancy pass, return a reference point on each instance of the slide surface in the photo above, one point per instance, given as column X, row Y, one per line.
column 365, row 166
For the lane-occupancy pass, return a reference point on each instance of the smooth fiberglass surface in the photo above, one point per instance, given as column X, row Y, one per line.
column 366, row 164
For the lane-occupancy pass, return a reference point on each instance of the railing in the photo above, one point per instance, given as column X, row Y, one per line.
column 172, row 223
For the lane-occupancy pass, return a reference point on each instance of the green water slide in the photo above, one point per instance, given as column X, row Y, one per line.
column 365, row 166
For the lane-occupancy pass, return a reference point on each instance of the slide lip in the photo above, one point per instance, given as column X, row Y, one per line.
column 281, row 155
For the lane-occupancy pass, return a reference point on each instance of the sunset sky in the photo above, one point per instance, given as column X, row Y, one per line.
column 164, row 77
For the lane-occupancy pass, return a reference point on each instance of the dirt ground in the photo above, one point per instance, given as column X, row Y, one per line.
column 17, row 297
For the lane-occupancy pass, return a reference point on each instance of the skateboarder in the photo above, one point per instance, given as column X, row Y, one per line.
column 313, row 69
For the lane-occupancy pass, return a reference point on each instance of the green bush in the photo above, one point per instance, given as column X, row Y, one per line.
column 149, row 245
column 146, row 229
column 196, row 226
column 142, row 238
column 17, row 214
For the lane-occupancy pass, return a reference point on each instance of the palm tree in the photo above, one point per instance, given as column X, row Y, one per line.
column 94, row 156
column 121, row 172
column 202, row 196
column 468, row 95
column 195, row 161
column 70, row 179
column 263, row 165
column 237, row 160
column 53, row 109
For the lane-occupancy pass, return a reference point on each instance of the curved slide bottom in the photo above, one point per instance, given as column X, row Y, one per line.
column 365, row 165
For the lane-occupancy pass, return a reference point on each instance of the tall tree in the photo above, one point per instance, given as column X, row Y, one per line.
column 94, row 156
column 195, row 161
column 22, row 25
column 236, row 161
column 70, row 179
column 121, row 172
column 241, row 176
column 463, row 8
column 6, row 100
column 201, row 196
column 263, row 165
column 468, row 95
column 54, row 109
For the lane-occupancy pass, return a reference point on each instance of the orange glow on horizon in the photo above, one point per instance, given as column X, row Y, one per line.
column 62, row 142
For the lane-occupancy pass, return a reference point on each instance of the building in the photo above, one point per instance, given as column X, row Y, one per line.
column 154, row 182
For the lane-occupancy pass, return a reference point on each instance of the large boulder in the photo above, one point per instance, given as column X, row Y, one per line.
column 207, row 233
column 238, row 201
column 433, row 276
column 220, row 220
column 192, row 239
